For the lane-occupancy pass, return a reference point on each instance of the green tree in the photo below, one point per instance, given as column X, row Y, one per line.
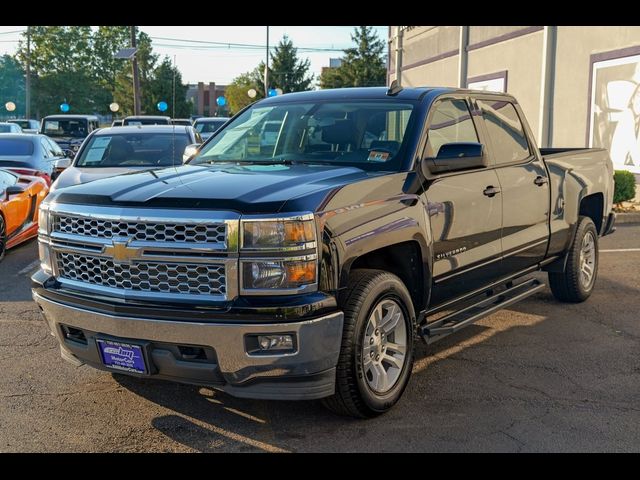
column 60, row 66
column 11, row 86
column 160, row 88
column 236, row 92
column 287, row 71
column 362, row 65
column 123, row 92
column 107, row 41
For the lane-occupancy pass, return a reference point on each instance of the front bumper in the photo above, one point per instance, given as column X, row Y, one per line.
column 308, row 373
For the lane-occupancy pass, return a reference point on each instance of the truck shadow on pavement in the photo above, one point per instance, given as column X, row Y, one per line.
column 207, row 420
column 529, row 368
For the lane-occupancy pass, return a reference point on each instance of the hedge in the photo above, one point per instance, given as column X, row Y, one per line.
column 625, row 186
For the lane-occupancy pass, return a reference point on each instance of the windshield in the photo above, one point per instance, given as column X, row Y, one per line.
column 367, row 134
column 133, row 150
column 76, row 128
column 11, row 146
column 209, row 127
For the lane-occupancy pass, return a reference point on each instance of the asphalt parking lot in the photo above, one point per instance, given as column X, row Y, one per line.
column 539, row 376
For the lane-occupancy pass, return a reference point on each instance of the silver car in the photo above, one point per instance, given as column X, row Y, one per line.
column 30, row 154
column 28, row 126
column 116, row 150
column 207, row 126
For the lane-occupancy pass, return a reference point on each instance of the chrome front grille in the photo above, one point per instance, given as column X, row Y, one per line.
column 175, row 278
column 147, row 231
column 162, row 255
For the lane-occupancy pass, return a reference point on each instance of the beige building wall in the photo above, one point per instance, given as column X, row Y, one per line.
column 432, row 53
column 574, row 48
column 440, row 73
column 521, row 58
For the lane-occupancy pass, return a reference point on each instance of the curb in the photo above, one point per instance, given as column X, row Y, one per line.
column 631, row 217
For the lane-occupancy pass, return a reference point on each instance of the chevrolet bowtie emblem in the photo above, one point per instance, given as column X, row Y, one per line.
column 120, row 251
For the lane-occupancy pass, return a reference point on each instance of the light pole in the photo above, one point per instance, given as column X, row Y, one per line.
column 136, row 80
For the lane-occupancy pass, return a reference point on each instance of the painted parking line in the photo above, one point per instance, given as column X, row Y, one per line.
column 29, row 268
column 620, row 250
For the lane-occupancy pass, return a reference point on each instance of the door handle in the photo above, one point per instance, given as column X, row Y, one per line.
column 491, row 191
column 540, row 180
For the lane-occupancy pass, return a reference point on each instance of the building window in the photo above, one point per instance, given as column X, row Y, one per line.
column 492, row 82
column 614, row 106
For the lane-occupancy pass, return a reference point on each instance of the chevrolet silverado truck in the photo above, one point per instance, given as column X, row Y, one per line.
column 304, row 267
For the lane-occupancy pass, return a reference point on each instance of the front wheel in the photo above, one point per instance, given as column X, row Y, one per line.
column 376, row 356
column 576, row 283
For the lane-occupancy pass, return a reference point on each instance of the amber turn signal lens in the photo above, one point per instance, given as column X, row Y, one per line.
column 301, row 272
column 298, row 232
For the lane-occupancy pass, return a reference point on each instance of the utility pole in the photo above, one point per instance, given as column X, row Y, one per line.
column 266, row 68
column 463, row 57
column 399, row 34
column 136, row 79
column 28, row 77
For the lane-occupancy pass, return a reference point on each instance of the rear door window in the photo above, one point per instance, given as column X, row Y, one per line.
column 506, row 132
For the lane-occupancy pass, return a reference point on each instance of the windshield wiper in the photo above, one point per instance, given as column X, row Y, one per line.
column 251, row 162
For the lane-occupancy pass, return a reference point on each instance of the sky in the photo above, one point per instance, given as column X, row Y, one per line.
column 202, row 62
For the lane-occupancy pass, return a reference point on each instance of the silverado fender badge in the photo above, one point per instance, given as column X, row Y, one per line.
column 450, row 253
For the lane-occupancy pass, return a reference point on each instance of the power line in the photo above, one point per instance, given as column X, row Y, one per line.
column 230, row 45
column 12, row 31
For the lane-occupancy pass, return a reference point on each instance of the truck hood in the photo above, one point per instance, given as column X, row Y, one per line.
column 75, row 176
column 243, row 188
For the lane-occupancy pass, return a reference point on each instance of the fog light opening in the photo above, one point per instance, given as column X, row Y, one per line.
column 271, row 344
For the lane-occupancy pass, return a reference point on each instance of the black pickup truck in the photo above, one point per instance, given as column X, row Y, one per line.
column 304, row 265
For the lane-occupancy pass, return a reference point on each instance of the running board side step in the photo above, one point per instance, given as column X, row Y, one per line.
column 491, row 303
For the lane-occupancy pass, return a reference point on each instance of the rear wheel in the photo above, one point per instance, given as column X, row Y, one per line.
column 376, row 356
column 576, row 283
column 3, row 237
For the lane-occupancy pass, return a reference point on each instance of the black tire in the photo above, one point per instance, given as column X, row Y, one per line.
column 353, row 396
column 567, row 286
column 3, row 237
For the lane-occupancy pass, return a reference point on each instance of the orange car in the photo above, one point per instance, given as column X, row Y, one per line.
column 20, row 197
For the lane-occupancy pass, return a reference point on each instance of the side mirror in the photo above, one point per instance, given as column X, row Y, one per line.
column 14, row 190
column 453, row 157
column 190, row 151
column 61, row 165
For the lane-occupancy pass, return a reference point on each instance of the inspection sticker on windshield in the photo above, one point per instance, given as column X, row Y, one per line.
column 101, row 142
column 378, row 156
column 121, row 356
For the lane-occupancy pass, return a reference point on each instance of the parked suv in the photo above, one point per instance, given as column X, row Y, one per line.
column 69, row 131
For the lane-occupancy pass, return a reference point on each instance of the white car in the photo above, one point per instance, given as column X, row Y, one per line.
column 116, row 150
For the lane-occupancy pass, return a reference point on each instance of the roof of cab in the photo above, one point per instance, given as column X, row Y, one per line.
column 368, row 93
column 70, row 115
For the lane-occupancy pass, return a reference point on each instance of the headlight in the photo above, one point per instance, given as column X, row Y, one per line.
column 294, row 233
column 43, row 219
column 279, row 274
column 277, row 270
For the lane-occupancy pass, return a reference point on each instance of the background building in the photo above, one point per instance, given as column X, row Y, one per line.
column 578, row 86
column 203, row 96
